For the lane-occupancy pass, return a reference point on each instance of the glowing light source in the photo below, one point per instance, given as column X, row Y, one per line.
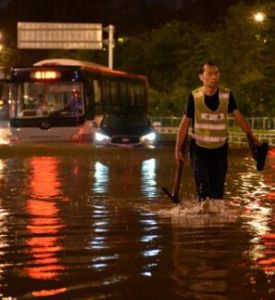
column 259, row 17
column 45, row 75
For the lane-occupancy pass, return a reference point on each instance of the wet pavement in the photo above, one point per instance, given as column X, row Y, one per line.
column 85, row 223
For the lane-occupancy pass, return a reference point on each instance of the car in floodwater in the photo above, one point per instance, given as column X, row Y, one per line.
column 125, row 130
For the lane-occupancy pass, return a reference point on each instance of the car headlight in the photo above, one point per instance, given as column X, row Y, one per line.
column 99, row 137
column 150, row 137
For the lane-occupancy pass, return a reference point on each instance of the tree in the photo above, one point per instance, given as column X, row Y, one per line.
column 168, row 56
column 239, row 51
column 170, row 53
column 172, row 50
column 131, row 54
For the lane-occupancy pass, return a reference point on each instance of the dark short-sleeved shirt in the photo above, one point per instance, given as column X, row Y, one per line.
column 212, row 102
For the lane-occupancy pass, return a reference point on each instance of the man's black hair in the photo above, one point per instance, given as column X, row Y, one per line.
column 207, row 62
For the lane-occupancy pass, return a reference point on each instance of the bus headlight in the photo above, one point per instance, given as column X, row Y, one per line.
column 149, row 138
column 101, row 138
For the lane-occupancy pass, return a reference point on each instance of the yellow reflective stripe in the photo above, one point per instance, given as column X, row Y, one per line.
column 213, row 117
column 211, row 139
column 211, row 126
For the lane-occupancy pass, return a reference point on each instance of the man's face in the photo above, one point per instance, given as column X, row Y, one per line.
column 210, row 76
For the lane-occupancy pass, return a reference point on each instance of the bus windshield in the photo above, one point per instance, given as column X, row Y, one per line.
column 43, row 99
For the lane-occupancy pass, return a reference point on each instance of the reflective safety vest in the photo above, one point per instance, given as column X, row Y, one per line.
column 210, row 127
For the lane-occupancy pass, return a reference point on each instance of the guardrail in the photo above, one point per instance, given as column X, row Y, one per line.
column 255, row 122
column 233, row 137
column 169, row 125
column 240, row 138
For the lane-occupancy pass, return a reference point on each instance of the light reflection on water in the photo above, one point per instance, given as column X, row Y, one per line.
column 259, row 222
column 148, row 178
column 44, row 224
column 85, row 224
column 5, row 133
column 100, row 177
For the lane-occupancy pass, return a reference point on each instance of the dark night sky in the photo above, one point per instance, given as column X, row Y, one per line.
column 79, row 9
column 128, row 16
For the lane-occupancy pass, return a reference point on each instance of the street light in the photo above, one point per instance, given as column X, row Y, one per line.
column 259, row 17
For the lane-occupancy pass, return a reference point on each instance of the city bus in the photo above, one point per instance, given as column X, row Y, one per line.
column 66, row 100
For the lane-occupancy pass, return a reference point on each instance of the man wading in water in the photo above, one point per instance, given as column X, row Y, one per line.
column 207, row 110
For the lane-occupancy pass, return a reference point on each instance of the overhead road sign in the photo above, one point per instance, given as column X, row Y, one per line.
column 36, row 35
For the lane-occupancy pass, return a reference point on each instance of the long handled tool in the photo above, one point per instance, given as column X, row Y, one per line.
column 174, row 196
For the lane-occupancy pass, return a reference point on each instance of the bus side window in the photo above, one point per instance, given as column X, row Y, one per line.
column 123, row 93
column 97, row 91
column 135, row 94
column 142, row 94
column 106, row 92
column 138, row 100
column 114, row 92
column 131, row 94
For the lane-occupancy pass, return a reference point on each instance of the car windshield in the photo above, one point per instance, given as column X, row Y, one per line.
column 121, row 120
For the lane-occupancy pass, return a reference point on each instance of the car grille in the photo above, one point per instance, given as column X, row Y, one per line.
column 125, row 140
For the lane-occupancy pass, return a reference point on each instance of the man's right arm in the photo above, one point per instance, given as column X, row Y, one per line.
column 182, row 136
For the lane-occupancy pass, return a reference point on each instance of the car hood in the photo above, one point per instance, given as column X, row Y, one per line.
column 123, row 130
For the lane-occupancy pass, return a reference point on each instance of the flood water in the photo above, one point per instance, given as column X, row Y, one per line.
column 84, row 223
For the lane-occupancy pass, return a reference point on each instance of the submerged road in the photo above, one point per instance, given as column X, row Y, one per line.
column 78, row 222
